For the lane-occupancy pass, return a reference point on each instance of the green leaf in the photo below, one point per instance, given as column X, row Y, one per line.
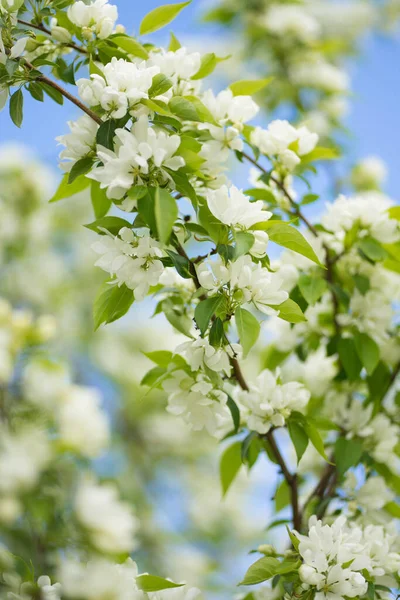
column 217, row 333
column 17, row 107
column 152, row 583
column 105, row 134
column 263, row 569
column 184, row 109
column 101, row 204
column 162, row 358
column 320, row 153
column 130, row 45
column 372, row 249
column 243, row 242
column 52, row 93
column 289, row 237
column 282, row 496
column 111, row 224
column 349, row 358
column 315, row 439
column 81, row 167
column 299, row 438
column 361, row 283
column 309, row 199
column 161, row 16
column 181, row 264
column 289, row 311
column 248, row 328
column 35, row 91
column 174, row 43
column 208, row 63
column 111, row 304
column 393, row 509
column 165, row 212
column 154, row 377
column 367, row 350
column 234, row 410
column 230, row 464
column 205, row 310
column 347, row 454
column 312, row 287
column 160, row 84
column 247, row 87
column 66, row 190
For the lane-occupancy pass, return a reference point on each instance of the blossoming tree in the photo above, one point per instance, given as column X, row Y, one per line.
column 153, row 145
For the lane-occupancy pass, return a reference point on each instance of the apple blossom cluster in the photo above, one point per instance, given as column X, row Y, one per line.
column 339, row 560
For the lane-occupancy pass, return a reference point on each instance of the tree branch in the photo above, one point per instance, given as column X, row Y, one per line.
column 43, row 29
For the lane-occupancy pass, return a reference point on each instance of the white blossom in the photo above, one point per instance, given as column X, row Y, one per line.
column 194, row 398
column 199, row 352
column 49, row 591
column 139, row 157
column 109, row 522
column 269, row 403
column 98, row 17
column 79, row 143
column 132, row 259
column 291, row 20
column 234, row 208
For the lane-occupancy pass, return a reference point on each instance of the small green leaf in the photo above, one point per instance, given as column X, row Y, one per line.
column 368, row 351
column 208, row 63
column 160, row 84
column 66, row 190
column 299, row 438
column 52, row 93
column 248, row 328
column 105, row 134
column 111, row 224
column 372, row 249
column 174, row 43
column 282, row 496
column 289, row 311
column 181, row 264
column 234, row 410
column 315, row 439
column 152, row 583
column 229, row 466
column 166, row 213
column 347, row 454
column 312, row 287
column 349, row 358
column 17, row 107
column 205, row 310
column 81, row 167
column 184, row 109
column 217, row 333
column 161, row 16
column 111, row 304
column 320, row 153
column 243, row 242
column 247, row 87
column 263, row 569
column 289, row 237
column 101, row 204
column 393, row 509
column 130, row 45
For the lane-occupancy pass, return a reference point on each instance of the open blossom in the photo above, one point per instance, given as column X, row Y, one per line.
column 132, row 259
column 317, row 371
column 269, row 403
column 291, row 20
column 248, row 282
column 315, row 72
column 98, row 17
column 108, row 521
column 284, row 141
column 122, row 86
column 234, row 208
column 231, row 113
column 79, row 143
column 83, row 425
column 369, row 173
column 139, row 157
column 179, row 67
column 371, row 496
column 368, row 210
column 197, row 401
column 200, row 352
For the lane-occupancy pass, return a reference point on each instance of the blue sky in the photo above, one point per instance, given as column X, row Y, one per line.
column 374, row 120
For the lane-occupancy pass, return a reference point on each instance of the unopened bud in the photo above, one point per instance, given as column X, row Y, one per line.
column 267, row 549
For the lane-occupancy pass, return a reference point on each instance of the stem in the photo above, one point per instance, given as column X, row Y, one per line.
column 43, row 29
column 66, row 94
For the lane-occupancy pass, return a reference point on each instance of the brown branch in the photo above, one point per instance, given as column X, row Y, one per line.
column 43, row 29
column 66, row 94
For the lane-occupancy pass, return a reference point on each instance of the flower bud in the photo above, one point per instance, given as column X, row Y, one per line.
column 267, row 549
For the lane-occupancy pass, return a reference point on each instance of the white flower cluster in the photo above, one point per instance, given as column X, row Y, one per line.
column 82, row 425
column 370, row 497
column 80, row 142
column 110, row 524
column 336, row 556
column 141, row 156
column 284, row 143
column 268, row 403
column 195, row 398
column 243, row 281
column 367, row 210
column 98, row 17
column 130, row 259
column 234, row 208
column 291, row 20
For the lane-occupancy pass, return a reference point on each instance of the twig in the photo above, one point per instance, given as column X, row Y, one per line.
column 43, row 29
